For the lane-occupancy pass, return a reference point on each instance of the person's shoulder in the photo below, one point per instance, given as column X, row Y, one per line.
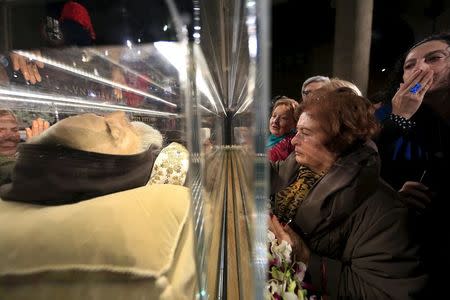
column 385, row 198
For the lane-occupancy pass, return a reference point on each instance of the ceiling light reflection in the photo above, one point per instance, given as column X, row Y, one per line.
column 67, row 102
column 93, row 77
column 175, row 54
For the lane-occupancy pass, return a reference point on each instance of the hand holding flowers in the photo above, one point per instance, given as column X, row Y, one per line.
column 286, row 269
column 285, row 233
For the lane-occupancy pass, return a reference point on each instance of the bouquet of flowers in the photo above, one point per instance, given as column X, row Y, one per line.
column 285, row 275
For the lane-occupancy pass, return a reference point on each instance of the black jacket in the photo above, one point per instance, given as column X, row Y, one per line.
column 357, row 223
column 406, row 155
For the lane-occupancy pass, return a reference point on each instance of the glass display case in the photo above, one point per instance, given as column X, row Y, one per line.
column 231, row 57
column 193, row 71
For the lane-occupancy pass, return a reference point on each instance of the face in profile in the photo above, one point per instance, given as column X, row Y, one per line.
column 311, row 87
column 282, row 121
column 9, row 135
column 309, row 142
column 109, row 134
column 433, row 55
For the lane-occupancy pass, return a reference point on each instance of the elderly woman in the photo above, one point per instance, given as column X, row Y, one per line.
column 282, row 129
column 347, row 224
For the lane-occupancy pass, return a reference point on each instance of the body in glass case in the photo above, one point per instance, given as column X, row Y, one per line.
column 175, row 218
column 97, row 205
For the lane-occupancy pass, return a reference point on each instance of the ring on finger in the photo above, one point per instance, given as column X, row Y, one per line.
column 416, row 88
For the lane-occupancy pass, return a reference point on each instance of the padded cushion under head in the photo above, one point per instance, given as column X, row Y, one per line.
column 143, row 234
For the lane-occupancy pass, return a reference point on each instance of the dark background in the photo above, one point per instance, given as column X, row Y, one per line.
column 302, row 32
column 303, row 38
column 114, row 21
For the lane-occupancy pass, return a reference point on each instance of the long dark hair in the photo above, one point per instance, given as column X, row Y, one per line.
column 396, row 76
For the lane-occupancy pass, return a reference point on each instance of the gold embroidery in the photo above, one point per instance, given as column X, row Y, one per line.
column 170, row 166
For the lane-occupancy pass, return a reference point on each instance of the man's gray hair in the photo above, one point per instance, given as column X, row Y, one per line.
column 314, row 79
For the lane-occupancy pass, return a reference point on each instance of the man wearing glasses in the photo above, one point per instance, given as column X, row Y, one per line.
column 312, row 84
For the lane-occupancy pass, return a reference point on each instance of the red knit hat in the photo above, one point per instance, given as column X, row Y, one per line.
column 78, row 13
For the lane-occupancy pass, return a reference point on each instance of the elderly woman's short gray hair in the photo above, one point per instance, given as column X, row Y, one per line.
column 314, row 79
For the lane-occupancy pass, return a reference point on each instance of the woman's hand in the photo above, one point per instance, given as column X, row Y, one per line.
column 406, row 103
column 28, row 68
column 415, row 195
column 299, row 248
column 118, row 77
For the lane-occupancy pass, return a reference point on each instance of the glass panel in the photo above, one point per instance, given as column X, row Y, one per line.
column 62, row 59
column 229, row 55
column 193, row 71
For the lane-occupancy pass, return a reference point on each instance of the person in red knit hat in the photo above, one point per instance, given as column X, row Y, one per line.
column 74, row 22
column 76, row 25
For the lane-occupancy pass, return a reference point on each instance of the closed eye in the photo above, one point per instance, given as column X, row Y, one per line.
column 305, row 131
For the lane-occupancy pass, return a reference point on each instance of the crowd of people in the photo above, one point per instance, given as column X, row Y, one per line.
column 358, row 188
column 362, row 196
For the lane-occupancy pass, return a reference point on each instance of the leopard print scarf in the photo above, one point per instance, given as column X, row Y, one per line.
column 287, row 201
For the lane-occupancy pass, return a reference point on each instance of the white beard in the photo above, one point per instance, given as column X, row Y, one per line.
column 149, row 135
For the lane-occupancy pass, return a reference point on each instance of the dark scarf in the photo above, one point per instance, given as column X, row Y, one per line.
column 55, row 175
column 288, row 200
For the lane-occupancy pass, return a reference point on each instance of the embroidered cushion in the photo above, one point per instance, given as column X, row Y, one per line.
column 171, row 165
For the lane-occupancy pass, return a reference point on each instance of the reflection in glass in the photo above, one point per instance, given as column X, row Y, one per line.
column 232, row 124
column 192, row 73
column 122, row 233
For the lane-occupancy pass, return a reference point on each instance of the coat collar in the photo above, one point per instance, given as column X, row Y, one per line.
column 350, row 181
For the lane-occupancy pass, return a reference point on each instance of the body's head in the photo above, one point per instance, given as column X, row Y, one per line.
column 9, row 133
column 109, row 134
column 313, row 83
column 432, row 53
column 329, row 126
column 284, row 116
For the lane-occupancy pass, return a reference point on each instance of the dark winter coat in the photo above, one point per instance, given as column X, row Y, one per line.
column 422, row 153
column 355, row 223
